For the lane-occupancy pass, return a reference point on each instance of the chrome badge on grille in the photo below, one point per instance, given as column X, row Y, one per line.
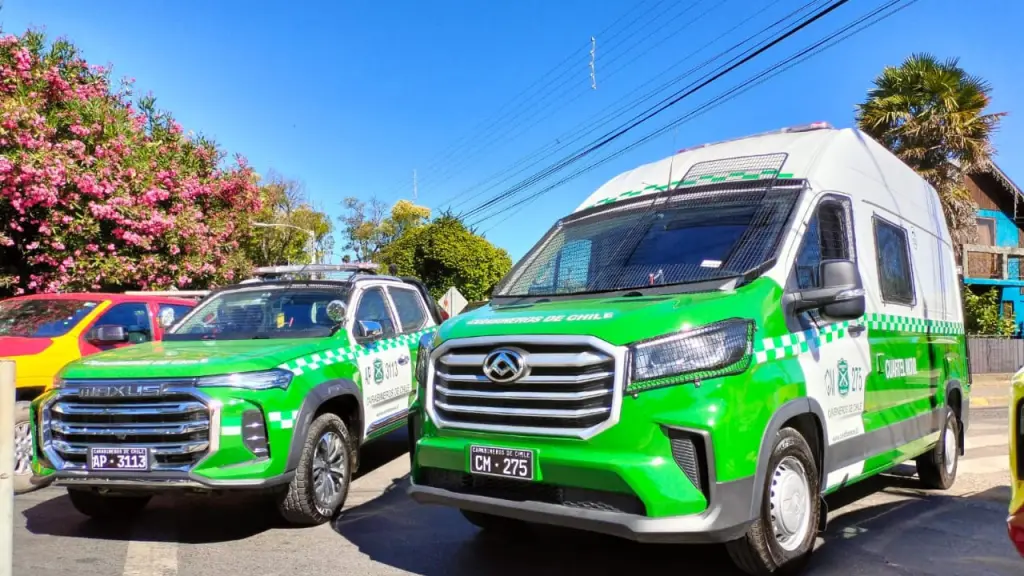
column 504, row 365
column 120, row 391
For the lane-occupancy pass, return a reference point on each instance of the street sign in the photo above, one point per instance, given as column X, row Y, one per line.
column 453, row 301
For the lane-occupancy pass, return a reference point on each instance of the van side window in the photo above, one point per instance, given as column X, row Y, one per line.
column 894, row 272
column 827, row 238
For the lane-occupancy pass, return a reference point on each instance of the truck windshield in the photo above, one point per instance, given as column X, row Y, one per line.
column 42, row 318
column 689, row 236
column 264, row 312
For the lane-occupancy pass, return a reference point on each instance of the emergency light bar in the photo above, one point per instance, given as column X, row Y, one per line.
column 319, row 271
column 789, row 130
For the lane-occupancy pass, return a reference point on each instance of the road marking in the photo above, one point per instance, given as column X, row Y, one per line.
column 986, row 441
column 986, row 465
column 153, row 548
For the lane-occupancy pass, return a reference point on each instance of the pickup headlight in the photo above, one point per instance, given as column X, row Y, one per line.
column 249, row 380
column 711, row 351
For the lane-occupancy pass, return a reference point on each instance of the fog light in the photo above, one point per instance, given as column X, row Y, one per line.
column 1015, row 524
column 254, row 433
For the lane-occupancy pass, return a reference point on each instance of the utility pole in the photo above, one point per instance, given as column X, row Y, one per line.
column 414, row 190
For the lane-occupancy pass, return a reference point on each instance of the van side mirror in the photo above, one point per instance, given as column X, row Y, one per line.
column 108, row 334
column 841, row 295
column 369, row 330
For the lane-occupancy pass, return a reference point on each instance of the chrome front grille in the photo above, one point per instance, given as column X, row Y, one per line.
column 174, row 425
column 570, row 386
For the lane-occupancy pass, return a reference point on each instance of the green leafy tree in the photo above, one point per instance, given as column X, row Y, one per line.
column 982, row 315
column 932, row 115
column 370, row 226
column 279, row 235
column 444, row 253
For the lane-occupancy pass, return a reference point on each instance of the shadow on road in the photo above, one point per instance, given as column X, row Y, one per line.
column 929, row 533
column 190, row 519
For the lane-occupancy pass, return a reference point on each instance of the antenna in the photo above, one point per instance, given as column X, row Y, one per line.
column 414, row 191
column 593, row 75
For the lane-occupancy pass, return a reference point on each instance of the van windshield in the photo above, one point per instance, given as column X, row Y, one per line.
column 688, row 236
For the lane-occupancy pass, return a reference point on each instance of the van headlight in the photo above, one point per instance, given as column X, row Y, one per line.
column 265, row 380
column 711, row 351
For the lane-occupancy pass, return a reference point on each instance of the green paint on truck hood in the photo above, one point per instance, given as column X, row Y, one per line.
column 617, row 320
column 186, row 359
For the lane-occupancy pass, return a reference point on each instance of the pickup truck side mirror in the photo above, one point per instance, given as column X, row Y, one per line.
column 369, row 330
column 841, row 295
column 108, row 334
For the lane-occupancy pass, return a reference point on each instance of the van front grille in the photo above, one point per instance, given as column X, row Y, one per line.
column 567, row 389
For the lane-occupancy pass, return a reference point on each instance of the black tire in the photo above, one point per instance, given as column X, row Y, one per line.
column 937, row 467
column 300, row 504
column 766, row 549
column 490, row 523
column 106, row 507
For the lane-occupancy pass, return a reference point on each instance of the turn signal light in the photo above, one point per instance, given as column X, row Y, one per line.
column 1015, row 524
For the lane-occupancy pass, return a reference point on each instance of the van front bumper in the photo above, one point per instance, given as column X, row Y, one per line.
column 723, row 522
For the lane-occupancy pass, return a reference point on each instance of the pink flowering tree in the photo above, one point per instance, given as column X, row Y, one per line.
column 98, row 192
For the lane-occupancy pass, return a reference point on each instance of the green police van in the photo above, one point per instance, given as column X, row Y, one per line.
column 271, row 385
column 705, row 348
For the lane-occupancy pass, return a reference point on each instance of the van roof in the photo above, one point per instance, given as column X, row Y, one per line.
column 827, row 157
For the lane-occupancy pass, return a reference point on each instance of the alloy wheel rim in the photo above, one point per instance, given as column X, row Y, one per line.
column 790, row 501
column 22, row 449
column 329, row 466
column 949, row 449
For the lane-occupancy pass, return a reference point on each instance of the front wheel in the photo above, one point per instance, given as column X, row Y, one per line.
column 781, row 539
column 24, row 480
column 321, row 482
column 106, row 508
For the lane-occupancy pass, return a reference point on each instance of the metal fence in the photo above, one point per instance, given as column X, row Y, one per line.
column 995, row 355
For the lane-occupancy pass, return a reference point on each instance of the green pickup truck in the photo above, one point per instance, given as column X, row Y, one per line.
column 270, row 385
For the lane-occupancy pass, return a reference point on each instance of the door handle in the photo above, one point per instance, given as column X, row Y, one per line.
column 403, row 359
column 855, row 329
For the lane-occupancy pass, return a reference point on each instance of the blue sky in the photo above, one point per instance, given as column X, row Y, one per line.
column 351, row 97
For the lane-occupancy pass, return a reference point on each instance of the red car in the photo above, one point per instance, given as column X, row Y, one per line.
column 42, row 333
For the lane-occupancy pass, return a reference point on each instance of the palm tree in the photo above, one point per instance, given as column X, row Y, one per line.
column 931, row 115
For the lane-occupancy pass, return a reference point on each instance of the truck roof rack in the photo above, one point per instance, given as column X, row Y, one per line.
column 313, row 271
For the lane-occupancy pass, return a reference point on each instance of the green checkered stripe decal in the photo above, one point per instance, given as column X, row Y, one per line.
column 797, row 343
column 314, row 362
column 735, row 176
column 232, row 425
column 890, row 323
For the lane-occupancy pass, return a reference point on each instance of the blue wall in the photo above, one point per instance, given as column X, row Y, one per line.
column 1006, row 235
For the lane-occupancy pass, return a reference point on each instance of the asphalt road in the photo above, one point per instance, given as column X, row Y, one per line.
column 881, row 527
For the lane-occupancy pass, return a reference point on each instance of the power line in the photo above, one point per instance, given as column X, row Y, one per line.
column 514, row 129
column 655, row 110
column 590, row 126
column 558, row 70
column 758, row 79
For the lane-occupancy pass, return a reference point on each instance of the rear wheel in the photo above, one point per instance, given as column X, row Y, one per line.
column 937, row 468
column 782, row 538
column 107, row 507
column 320, row 486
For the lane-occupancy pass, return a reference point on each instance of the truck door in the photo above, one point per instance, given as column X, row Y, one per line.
column 384, row 361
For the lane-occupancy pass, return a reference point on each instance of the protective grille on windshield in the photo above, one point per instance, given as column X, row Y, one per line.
column 722, row 219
